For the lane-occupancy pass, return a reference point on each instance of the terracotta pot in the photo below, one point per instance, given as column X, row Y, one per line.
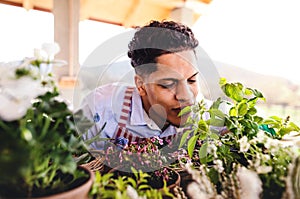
column 80, row 192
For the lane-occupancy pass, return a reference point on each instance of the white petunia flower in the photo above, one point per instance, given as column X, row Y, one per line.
column 16, row 96
column 51, row 49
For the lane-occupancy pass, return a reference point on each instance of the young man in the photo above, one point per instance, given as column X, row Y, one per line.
column 166, row 79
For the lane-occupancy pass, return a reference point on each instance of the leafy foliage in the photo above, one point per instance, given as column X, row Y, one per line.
column 105, row 186
column 37, row 147
column 225, row 141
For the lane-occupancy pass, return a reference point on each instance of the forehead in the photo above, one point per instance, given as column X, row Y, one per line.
column 181, row 65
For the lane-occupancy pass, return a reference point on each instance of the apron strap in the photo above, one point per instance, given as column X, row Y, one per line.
column 124, row 115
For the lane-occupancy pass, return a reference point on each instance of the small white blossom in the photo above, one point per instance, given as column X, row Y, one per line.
column 262, row 169
column 244, row 144
column 218, row 165
column 261, row 136
column 131, row 193
column 212, row 149
column 265, row 157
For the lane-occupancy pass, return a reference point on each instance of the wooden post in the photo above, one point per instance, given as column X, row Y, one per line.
column 66, row 30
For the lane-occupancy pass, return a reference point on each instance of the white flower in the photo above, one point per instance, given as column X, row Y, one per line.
column 262, row 169
column 131, row 193
column 38, row 54
column 16, row 96
column 218, row 165
column 212, row 148
column 195, row 192
column 265, row 157
column 51, row 49
column 244, row 144
column 261, row 136
column 16, row 93
column 45, row 69
column 251, row 185
column 202, row 187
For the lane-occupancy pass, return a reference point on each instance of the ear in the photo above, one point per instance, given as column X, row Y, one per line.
column 139, row 82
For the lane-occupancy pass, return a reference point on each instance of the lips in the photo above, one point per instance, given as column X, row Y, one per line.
column 178, row 109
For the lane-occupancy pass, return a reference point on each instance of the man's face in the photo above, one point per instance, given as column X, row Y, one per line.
column 172, row 87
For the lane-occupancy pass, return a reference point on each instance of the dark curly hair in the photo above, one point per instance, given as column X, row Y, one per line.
column 158, row 38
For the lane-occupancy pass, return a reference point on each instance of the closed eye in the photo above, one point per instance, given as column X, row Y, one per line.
column 168, row 83
column 191, row 81
column 168, row 86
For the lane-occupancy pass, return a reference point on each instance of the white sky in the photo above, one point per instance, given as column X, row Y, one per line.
column 260, row 35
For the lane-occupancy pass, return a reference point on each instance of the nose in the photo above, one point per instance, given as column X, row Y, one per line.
column 184, row 92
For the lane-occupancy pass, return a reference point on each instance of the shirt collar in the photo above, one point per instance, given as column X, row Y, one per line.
column 138, row 114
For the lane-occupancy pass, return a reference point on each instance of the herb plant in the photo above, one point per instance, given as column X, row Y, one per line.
column 239, row 138
column 38, row 138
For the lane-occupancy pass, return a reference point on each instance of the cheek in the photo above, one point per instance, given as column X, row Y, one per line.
column 161, row 96
column 195, row 89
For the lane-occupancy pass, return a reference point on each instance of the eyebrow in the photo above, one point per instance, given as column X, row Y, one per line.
column 193, row 75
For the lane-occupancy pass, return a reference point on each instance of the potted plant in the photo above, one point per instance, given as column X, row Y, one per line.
column 145, row 156
column 239, row 154
column 38, row 138
column 137, row 186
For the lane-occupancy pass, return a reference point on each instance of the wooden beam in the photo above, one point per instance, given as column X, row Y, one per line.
column 66, row 34
column 28, row 4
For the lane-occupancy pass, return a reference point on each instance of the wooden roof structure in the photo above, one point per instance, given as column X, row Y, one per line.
column 126, row 13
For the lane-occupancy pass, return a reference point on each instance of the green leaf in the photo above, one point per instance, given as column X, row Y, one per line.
column 216, row 104
column 217, row 122
column 202, row 126
column 233, row 112
column 252, row 111
column 294, row 126
column 214, row 136
column 216, row 113
column 248, row 91
column 191, row 144
column 242, row 108
column 222, row 81
column 144, row 186
column 203, row 151
column 184, row 138
column 184, row 111
column 258, row 93
column 234, row 92
column 276, row 118
column 132, row 182
column 258, row 119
